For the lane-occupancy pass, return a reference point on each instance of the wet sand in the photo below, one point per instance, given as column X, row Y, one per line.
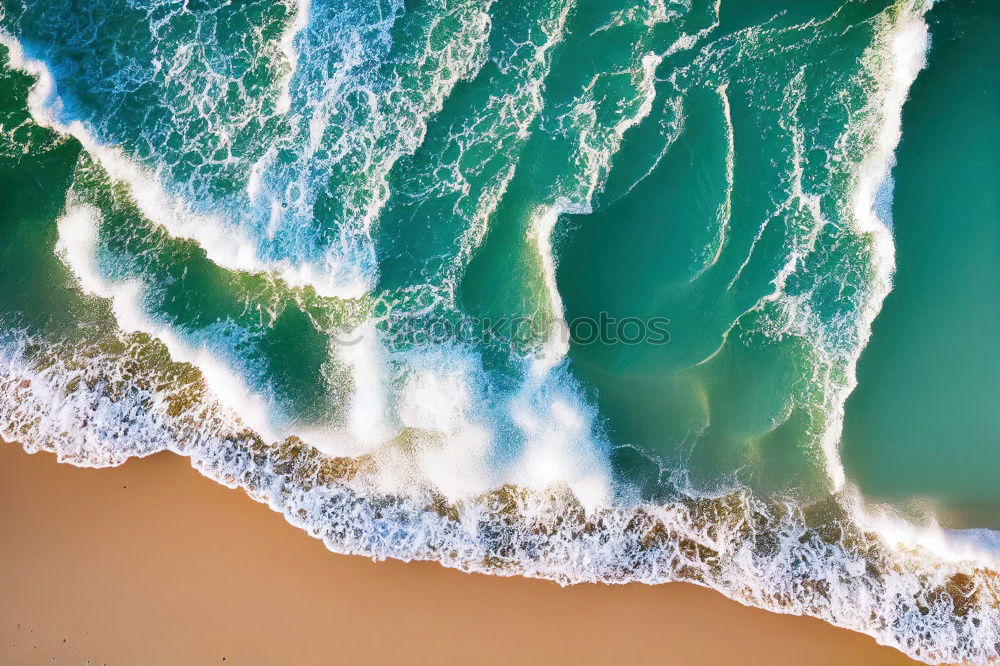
column 151, row 563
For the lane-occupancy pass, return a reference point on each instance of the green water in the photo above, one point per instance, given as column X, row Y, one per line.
column 924, row 421
column 722, row 401
column 695, row 167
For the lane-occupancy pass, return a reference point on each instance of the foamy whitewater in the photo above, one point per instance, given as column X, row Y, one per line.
column 250, row 236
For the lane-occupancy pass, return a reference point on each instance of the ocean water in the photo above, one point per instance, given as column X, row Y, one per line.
column 587, row 291
column 929, row 380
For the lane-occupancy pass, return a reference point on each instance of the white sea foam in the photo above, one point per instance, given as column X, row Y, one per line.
column 514, row 114
column 225, row 244
column 343, row 268
column 442, row 400
column 902, row 532
column 298, row 23
column 894, row 62
column 597, row 144
column 726, row 208
column 540, row 233
column 933, row 609
column 561, row 445
column 368, row 418
column 891, row 65
column 78, row 246
column 352, row 115
column 724, row 213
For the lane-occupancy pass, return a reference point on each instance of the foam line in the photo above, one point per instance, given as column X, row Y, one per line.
column 77, row 245
column 774, row 557
column 904, row 44
column 287, row 43
column 226, row 244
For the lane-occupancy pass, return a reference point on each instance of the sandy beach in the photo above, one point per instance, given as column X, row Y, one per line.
column 151, row 563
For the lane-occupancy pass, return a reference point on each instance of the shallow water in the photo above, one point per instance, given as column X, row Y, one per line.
column 923, row 421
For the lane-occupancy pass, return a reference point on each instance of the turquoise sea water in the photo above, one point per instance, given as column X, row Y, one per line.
column 575, row 290
column 929, row 380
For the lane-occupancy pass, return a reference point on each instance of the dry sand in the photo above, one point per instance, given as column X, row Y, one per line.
column 151, row 563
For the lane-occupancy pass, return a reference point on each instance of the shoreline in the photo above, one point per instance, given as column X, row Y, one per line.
column 152, row 563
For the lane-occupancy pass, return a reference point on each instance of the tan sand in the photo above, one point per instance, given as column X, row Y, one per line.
column 151, row 563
